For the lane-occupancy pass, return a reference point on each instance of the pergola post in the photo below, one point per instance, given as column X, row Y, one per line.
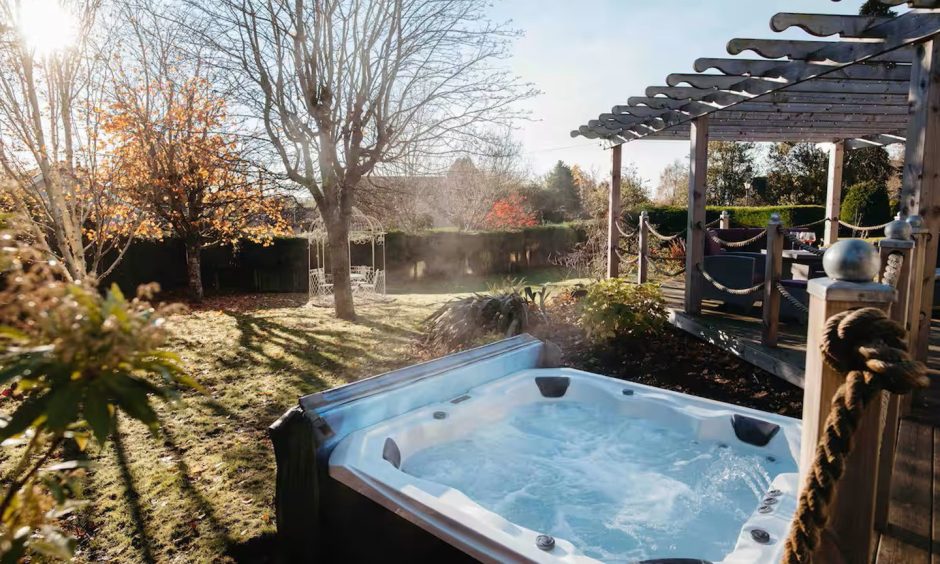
column 920, row 190
column 849, row 286
column 613, row 214
column 897, row 242
column 834, row 192
column 642, row 269
column 695, row 238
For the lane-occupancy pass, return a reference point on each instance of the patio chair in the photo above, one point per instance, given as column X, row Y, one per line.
column 733, row 268
column 374, row 282
column 321, row 283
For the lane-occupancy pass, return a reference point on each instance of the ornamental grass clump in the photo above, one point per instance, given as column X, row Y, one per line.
column 506, row 312
column 71, row 358
column 615, row 309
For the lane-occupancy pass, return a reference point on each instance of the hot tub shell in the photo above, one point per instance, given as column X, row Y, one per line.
column 342, row 496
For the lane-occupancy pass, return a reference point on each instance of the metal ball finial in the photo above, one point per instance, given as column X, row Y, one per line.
column 851, row 260
column 899, row 230
column 915, row 221
column 775, row 217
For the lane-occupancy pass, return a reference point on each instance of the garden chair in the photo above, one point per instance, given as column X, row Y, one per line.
column 320, row 282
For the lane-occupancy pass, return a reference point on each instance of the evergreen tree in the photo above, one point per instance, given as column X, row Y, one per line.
column 730, row 170
column 875, row 8
column 870, row 163
column 797, row 174
column 562, row 200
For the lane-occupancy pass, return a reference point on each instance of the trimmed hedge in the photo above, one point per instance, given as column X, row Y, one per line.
column 444, row 254
column 282, row 266
column 672, row 219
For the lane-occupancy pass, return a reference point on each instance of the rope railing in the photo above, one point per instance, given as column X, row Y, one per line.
column 848, row 225
column 737, row 244
column 721, row 287
column 870, row 350
column 793, row 238
column 628, row 259
column 791, row 298
column 812, row 223
column 624, row 233
column 893, row 269
column 660, row 270
column 713, row 223
column 662, row 237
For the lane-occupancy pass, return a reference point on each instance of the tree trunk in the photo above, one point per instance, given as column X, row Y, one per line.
column 194, row 270
column 338, row 235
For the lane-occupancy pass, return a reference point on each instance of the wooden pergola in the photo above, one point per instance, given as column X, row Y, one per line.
column 876, row 84
column 872, row 81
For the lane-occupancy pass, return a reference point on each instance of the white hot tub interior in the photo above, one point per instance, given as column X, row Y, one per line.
column 613, row 470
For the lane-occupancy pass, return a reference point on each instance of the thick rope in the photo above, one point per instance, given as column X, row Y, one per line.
column 627, row 259
column 811, row 224
column 624, row 233
column 733, row 291
column 803, row 246
column 791, row 298
column 870, row 350
column 848, row 225
column 662, row 237
column 893, row 269
column 656, row 267
column 737, row 244
column 713, row 223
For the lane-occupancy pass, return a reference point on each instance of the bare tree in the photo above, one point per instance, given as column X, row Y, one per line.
column 344, row 86
column 52, row 83
column 673, row 187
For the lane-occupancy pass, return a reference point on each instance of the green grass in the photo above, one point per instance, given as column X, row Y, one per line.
column 202, row 490
column 467, row 284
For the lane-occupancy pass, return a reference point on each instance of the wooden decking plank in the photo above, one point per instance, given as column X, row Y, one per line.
column 907, row 537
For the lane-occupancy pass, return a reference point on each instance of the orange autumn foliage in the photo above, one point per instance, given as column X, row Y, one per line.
column 172, row 156
column 510, row 212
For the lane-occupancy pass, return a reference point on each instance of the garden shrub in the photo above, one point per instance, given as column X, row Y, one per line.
column 71, row 358
column 866, row 203
column 615, row 309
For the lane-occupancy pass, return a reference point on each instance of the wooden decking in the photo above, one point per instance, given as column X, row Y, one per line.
column 912, row 535
column 739, row 333
column 913, row 531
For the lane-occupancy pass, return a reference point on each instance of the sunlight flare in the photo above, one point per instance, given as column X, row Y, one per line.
column 47, row 26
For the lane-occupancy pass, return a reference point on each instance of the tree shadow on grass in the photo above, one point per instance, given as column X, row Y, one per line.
column 306, row 352
column 132, row 496
column 202, row 507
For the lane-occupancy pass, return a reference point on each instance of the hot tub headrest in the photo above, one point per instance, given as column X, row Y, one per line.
column 752, row 431
column 552, row 386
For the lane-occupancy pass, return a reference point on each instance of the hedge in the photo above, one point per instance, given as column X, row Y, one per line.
column 282, row 266
column 672, row 219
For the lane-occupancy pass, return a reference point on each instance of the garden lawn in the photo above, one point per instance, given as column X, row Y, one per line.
column 202, row 489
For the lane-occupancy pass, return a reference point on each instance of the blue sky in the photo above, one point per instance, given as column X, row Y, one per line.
column 588, row 55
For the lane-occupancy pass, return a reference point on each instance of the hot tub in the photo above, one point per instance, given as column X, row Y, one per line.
column 508, row 462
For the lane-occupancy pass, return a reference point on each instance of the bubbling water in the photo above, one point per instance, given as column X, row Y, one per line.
column 619, row 488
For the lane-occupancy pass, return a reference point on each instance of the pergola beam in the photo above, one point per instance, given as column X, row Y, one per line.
column 824, row 25
column 820, row 51
column 819, row 85
column 728, row 98
column 762, row 68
